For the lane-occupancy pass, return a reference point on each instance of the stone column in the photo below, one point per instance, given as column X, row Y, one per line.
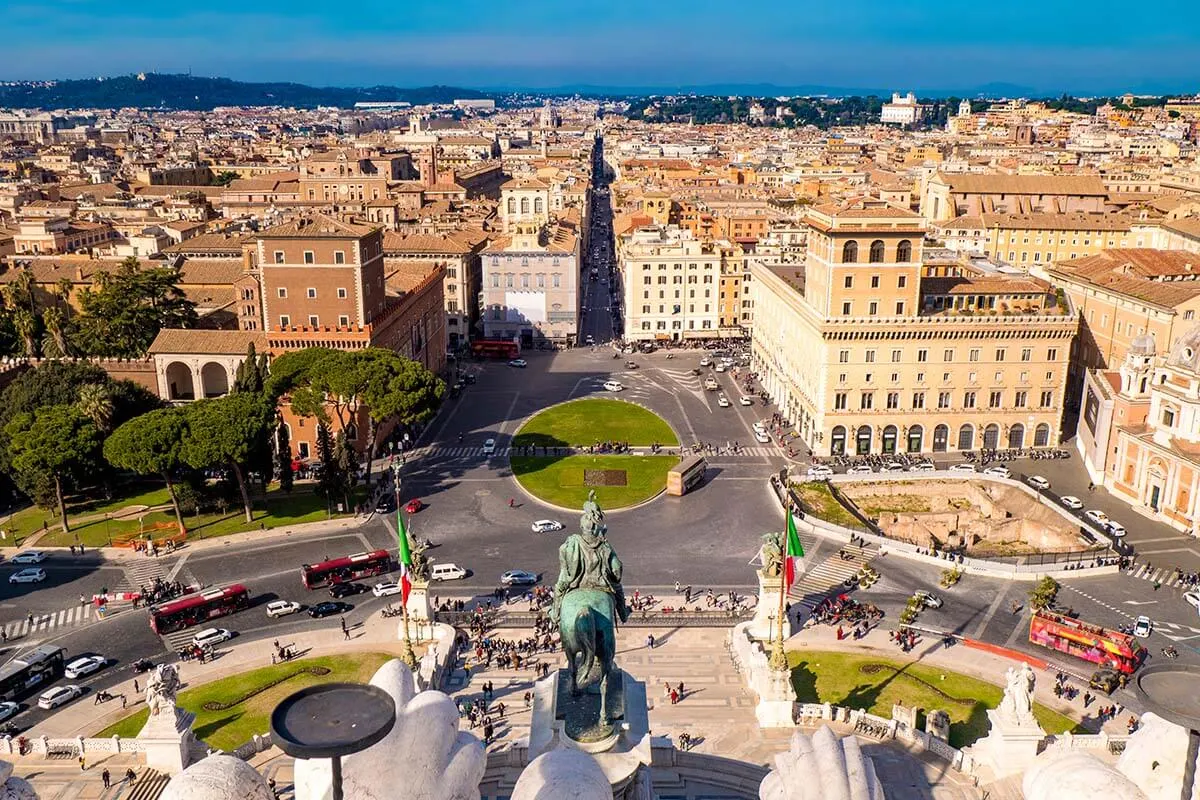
column 764, row 626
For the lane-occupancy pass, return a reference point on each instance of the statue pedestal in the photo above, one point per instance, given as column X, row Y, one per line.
column 762, row 627
column 167, row 740
column 419, row 609
column 1010, row 746
column 776, row 700
column 622, row 753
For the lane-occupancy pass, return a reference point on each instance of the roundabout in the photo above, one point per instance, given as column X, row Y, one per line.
column 620, row 480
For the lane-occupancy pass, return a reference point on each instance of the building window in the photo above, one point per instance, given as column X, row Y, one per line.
column 1052, row 354
column 1020, row 399
column 341, row 293
column 495, row 281
column 968, row 399
column 850, row 252
column 1047, row 399
column 339, row 257
column 922, row 356
column 874, row 281
column 870, row 356
column 839, row 401
column 903, row 254
column 343, row 321
column 900, row 308
column 313, row 321
column 994, row 398
column 849, row 282
column 918, row 400
column 554, row 281
column 508, row 280
column 846, row 309
column 311, row 293
column 278, row 256
column 902, row 281
column 896, row 356
column 284, row 321
column 843, row 356
column 1168, row 418
column 1000, row 354
column 873, row 308
column 876, row 255
column 893, row 400
column 973, row 355
column 947, row 355
column 1026, row 354
column 866, row 400
column 943, row 399
column 308, row 257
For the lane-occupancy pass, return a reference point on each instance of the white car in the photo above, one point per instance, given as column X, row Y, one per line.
column 746, row 401
column 489, row 447
column 210, row 637
column 55, row 697
column 281, row 608
column 28, row 557
column 8, row 708
column 1038, row 482
column 893, row 466
column 1098, row 517
column 28, row 575
column 964, row 468
column 721, row 367
column 723, row 401
column 706, row 362
column 613, row 386
column 761, row 437
column 546, row 526
column 860, row 469
column 1071, row 501
column 923, row 466
column 1192, row 599
column 998, row 472
column 819, row 473
column 1115, row 529
column 386, row 589
column 85, row 666
column 1142, row 627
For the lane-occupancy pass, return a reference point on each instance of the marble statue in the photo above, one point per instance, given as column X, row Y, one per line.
column 564, row 774
column 161, row 688
column 1017, row 704
column 588, row 603
column 218, row 777
column 822, row 767
column 771, row 554
column 13, row 788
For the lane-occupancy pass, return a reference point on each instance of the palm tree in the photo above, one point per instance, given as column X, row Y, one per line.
column 26, row 324
column 54, row 343
column 95, row 401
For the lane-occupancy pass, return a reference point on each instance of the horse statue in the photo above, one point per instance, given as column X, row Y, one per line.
column 588, row 603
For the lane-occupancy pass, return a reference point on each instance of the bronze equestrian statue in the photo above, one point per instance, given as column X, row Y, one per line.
column 588, row 603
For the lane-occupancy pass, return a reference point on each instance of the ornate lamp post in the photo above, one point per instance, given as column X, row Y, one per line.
column 404, row 554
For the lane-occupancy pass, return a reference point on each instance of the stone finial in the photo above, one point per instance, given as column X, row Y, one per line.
column 12, row 788
column 1077, row 776
column 218, row 777
column 565, row 774
column 822, row 767
column 425, row 757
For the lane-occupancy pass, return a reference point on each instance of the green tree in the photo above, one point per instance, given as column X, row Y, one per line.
column 330, row 482
column 252, row 373
column 54, row 446
column 96, row 403
column 347, row 468
column 283, row 457
column 126, row 308
column 225, row 178
column 152, row 444
column 223, row 432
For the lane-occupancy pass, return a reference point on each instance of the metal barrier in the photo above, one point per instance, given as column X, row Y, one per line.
column 639, row 619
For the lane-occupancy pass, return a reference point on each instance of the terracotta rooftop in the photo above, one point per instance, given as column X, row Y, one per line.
column 1088, row 185
column 318, row 226
column 205, row 342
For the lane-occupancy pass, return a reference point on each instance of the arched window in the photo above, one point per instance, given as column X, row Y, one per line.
column 838, row 441
column 941, row 434
column 850, row 252
column 1041, row 435
column 991, row 437
column 1016, row 436
column 889, row 439
column 904, row 251
column 966, row 437
column 862, row 440
column 877, row 252
column 916, row 438
column 512, row 205
column 537, row 205
column 524, row 205
column 351, row 432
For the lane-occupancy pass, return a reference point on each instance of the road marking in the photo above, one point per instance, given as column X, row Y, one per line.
column 1140, row 602
column 989, row 614
column 174, row 573
column 508, row 415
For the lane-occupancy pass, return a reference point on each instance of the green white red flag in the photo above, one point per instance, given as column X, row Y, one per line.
column 404, row 557
column 793, row 554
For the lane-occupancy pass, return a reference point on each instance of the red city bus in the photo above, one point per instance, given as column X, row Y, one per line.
column 495, row 348
column 344, row 570
column 1113, row 649
column 193, row 609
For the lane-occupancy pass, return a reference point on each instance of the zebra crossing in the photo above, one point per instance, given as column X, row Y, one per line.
column 828, row 574
column 1161, row 575
column 476, row 453
column 45, row 623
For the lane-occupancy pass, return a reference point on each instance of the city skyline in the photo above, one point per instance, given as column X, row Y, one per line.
column 858, row 45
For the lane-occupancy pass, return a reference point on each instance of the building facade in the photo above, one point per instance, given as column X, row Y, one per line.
column 531, row 283
column 671, row 283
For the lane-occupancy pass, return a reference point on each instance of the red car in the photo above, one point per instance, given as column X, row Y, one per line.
column 413, row 506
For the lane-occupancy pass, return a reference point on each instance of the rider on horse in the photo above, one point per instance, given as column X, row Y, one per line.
column 587, row 561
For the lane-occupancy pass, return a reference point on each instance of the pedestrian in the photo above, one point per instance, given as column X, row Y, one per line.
column 512, row 502
column 666, row 690
column 124, row 701
column 130, row 776
column 674, row 697
column 346, row 634
column 650, row 641
column 343, row 621
column 488, row 730
column 135, row 686
column 681, row 692
column 82, row 764
column 106, row 778
column 528, row 699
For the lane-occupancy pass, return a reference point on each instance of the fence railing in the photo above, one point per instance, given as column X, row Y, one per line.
column 699, row 618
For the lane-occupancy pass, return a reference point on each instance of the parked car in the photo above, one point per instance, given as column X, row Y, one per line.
column 1142, row 627
column 519, row 363
column 746, row 401
column 631, row 365
column 281, row 608
column 211, row 636
column 143, row 665
column 413, row 506
column 518, row 577
column 893, row 466
column 1105, row 680
column 1115, row 529
column 8, row 708
column 386, row 589
column 860, row 469
column 56, row 696
column 340, row 590
column 1192, row 599
column 28, row 575
column 613, row 386
column 328, row 609
column 819, row 473
column 1071, row 501
column 761, row 437
column 489, row 447
column 1000, row 471
column 929, row 599
column 923, row 466
column 1098, row 517
column 1038, row 482
column 29, row 557
column 723, row 401
column 85, row 665
column 546, row 526
column 964, row 468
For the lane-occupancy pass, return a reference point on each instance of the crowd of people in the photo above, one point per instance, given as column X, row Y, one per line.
column 160, row 591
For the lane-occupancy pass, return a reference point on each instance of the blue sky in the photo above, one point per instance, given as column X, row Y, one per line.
column 927, row 44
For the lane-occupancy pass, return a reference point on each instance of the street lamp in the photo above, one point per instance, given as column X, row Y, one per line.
column 409, row 657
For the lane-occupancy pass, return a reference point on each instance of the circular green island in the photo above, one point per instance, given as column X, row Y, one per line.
column 618, row 480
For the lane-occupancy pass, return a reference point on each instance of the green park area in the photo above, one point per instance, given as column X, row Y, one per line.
column 876, row 684
column 618, row 480
column 585, row 422
column 818, row 500
column 231, row 710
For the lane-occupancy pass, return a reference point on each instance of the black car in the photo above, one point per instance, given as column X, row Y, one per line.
column 340, row 590
column 1105, row 680
column 143, row 665
column 328, row 609
column 386, row 504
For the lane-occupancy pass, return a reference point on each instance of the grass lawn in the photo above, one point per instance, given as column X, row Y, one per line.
column 279, row 509
column 584, row 422
column 233, row 727
column 822, row 504
column 560, row 480
column 29, row 520
column 875, row 684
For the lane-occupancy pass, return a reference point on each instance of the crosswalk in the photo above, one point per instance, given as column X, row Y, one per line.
column 45, row 623
column 829, row 574
column 435, row 452
column 1166, row 576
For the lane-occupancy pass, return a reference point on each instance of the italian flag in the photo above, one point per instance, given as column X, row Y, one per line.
column 793, row 554
column 404, row 557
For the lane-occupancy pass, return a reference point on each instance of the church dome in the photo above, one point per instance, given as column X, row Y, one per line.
column 1186, row 352
column 1143, row 345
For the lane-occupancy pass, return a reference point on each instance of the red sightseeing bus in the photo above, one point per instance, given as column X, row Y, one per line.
column 193, row 609
column 1113, row 649
column 495, row 348
column 344, row 570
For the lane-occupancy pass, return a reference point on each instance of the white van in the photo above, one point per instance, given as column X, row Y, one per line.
column 447, row 572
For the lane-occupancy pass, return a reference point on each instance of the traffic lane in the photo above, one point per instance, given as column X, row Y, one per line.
column 1115, row 600
column 64, row 583
column 242, row 563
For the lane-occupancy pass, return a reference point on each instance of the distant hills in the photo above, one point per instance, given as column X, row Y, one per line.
column 186, row 92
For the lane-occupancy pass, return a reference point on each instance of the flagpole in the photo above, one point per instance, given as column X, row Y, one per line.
column 778, row 655
column 409, row 657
